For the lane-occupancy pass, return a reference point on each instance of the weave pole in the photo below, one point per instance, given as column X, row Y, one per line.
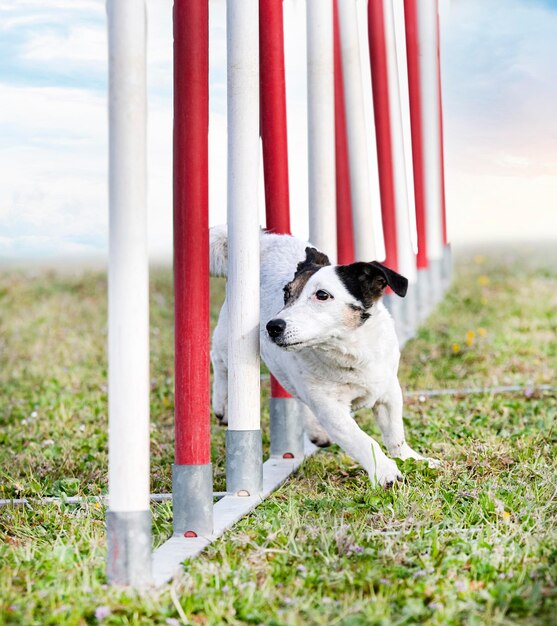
column 128, row 518
column 422, row 46
column 286, row 423
column 390, row 153
column 321, row 126
column 192, row 480
column 244, row 474
column 418, row 161
column 406, row 214
column 447, row 251
column 345, row 231
column 360, row 185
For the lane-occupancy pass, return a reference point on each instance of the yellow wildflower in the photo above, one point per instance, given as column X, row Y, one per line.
column 456, row 348
column 483, row 280
column 482, row 332
column 470, row 335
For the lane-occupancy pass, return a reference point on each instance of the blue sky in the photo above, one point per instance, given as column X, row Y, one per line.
column 500, row 97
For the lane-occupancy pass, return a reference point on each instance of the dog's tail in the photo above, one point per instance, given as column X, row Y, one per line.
column 218, row 256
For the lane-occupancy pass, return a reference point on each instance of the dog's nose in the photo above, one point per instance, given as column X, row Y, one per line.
column 275, row 328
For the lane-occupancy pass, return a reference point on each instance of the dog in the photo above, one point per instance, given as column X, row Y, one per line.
column 330, row 342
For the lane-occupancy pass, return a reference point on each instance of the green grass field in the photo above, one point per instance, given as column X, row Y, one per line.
column 474, row 542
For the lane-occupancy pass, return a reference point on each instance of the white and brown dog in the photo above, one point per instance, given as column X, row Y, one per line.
column 328, row 339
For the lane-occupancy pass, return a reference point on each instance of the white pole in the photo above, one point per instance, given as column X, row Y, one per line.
column 128, row 298
column 431, row 148
column 321, row 126
column 404, row 312
column 429, row 93
column 405, row 252
column 362, row 216
column 243, row 435
column 371, row 140
column 402, row 66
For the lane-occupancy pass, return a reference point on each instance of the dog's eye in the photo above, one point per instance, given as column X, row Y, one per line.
column 321, row 294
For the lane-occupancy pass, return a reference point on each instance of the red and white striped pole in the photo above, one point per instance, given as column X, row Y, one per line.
column 390, row 150
column 244, row 463
column 128, row 518
column 287, row 427
column 192, row 483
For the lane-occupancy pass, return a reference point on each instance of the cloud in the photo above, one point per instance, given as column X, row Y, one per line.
column 500, row 85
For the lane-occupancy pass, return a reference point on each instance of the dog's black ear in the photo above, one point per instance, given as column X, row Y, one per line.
column 367, row 281
column 396, row 282
column 314, row 259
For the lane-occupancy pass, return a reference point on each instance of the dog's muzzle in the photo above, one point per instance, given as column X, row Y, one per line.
column 276, row 328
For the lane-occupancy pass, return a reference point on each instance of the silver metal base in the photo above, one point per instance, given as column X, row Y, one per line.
column 192, row 500
column 436, row 280
column 424, row 303
column 128, row 559
column 244, row 462
column 287, row 428
column 447, row 271
column 394, row 305
column 410, row 312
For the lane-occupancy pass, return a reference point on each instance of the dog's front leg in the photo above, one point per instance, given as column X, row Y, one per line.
column 336, row 419
column 388, row 413
column 219, row 359
column 316, row 433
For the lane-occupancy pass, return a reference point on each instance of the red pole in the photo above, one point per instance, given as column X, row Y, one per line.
column 273, row 127
column 191, row 231
column 345, row 234
column 273, row 115
column 414, row 87
column 441, row 140
column 380, row 86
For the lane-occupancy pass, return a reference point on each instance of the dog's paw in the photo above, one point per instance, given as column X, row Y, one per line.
column 221, row 420
column 405, row 452
column 221, row 414
column 321, row 441
column 386, row 474
column 318, row 436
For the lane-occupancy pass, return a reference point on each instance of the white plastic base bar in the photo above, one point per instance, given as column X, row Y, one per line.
column 168, row 558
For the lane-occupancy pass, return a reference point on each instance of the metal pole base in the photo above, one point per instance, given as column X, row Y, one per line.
column 393, row 304
column 447, row 266
column 436, row 280
column 244, row 462
column 287, row 428
column 192, row 500
column 410, row 314
column 128, row 559
column 424, row 294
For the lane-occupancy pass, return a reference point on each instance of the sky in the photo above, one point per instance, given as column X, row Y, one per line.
column 499, row 100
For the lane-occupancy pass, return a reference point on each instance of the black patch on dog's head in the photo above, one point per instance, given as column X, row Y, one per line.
column 313, row 262
column 367, row 281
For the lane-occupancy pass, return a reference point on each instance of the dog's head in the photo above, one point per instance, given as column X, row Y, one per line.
column 324, row 301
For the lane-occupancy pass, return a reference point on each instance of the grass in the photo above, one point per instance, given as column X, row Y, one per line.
column 472, row 543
